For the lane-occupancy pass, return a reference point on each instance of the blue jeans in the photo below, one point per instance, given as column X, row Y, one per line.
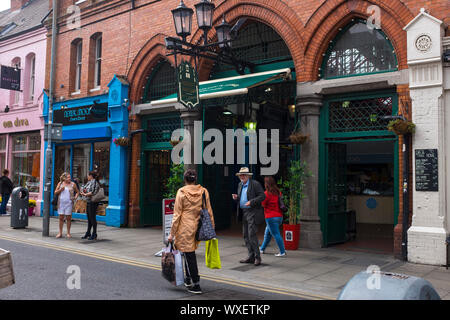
column 5, row 199
column 273, row 229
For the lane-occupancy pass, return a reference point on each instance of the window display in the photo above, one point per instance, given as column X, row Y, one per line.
column 26, row 162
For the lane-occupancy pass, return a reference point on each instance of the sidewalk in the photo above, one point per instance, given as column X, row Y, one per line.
column 319, row 274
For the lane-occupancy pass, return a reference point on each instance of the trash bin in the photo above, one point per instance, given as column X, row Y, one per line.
column 387, row 286
column 19, row 207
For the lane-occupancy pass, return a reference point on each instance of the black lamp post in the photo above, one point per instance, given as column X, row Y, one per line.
column 182, row 17
column 205, row 11
column 224, row 34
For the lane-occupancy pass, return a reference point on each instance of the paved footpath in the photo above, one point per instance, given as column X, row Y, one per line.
column 307, row 273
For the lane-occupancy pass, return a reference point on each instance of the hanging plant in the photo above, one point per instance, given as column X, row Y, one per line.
column 400, row 127
column 174, row 142
column 122, row 141
column 297, row 137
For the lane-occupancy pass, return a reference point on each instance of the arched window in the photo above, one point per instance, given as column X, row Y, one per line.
column 161, row 82
column 259, row 44
column 76, row 54
column 357, row 50
column 95, row 61
column 30, row 77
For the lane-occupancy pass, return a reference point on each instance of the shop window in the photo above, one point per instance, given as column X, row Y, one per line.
column 62, row 162
column 101, row 164
column 26, row 160
column 357, row 50
column 81, row 162
column 161, row 82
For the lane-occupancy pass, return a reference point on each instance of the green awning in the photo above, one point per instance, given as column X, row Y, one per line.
column 232, row 86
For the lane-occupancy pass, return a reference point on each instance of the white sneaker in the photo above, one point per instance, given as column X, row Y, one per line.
column 261, row 251
column 280, row 254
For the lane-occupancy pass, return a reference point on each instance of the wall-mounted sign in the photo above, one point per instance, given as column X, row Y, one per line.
column 16, row 123
column 427, row 170
column 10, row 78
column 80, row 115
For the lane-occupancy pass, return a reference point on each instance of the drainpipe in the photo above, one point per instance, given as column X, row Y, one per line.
column 405, row 221
column 48, row 152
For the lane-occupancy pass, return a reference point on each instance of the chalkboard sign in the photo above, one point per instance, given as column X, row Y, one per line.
column 427, row 170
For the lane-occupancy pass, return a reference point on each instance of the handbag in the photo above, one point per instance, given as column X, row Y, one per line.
column 212, row 257
column 205, row 229
column 55, row 200
column 99, row 196
column 281, row 204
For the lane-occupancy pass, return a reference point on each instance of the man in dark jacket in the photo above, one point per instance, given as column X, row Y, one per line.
column 249, row 197
column 6, row 187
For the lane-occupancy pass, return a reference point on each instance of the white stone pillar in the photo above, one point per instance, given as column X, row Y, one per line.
column 427, row 234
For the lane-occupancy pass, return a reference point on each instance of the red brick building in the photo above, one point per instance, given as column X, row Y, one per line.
column 311, row 38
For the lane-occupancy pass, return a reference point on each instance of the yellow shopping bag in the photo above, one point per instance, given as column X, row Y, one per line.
column 212, row 256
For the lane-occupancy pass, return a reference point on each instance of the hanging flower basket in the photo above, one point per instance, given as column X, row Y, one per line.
column 122, row 141
column 174, row 142
column 401, row 127
column 298, row 138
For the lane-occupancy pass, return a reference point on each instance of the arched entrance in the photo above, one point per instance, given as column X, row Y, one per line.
column 264, row 106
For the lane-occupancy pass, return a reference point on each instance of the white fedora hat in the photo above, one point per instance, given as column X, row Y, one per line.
column 244, row 171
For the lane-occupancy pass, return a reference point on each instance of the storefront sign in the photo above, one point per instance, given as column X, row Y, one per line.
column 168, row 205
column 81, row 115
column 188, row 92
column 16, row 123
column 427, row 170
column 10, row 78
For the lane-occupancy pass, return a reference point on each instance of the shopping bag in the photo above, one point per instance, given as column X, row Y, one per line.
column 179, row 271
column 212, row 256
column 168, row 264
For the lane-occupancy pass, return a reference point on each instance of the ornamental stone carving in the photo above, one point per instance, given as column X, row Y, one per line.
column 423, row 43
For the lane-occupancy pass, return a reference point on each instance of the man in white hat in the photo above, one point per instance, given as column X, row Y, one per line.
column 249, row 197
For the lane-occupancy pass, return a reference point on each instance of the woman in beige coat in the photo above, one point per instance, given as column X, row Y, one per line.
column 188, row 205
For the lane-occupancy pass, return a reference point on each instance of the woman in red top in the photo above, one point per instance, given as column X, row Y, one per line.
column 273, row 215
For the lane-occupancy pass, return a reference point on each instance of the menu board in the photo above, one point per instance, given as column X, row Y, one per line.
column 427, row 170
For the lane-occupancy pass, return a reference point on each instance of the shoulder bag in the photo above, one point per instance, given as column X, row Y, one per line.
column 99, row 196
column 205, row 229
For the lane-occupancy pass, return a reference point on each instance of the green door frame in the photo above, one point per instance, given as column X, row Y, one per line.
column 151, row 146
column 326, row 137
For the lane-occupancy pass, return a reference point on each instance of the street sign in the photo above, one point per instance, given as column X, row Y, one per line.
column 188, row 91
column 10, row 78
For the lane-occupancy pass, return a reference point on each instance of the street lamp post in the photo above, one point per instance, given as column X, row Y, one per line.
column 48, row 151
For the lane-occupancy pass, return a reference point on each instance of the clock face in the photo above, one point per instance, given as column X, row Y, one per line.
column 423, row 43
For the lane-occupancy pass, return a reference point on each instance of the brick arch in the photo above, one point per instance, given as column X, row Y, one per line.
column 275, row 14
column 146, row 59
column 325, row 23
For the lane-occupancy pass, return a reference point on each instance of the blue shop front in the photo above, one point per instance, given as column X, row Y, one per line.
column 90, row 126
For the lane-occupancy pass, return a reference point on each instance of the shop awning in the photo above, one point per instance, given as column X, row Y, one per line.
column 232, row 86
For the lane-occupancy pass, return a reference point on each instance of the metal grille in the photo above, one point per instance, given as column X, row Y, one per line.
column 359, row 115
column 160, row 130
column 161, row 82
column 257, row 43
column 359, row 50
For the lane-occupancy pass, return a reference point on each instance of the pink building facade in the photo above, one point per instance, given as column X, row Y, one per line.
column 21, row 120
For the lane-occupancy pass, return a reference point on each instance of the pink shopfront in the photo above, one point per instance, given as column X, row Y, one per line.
column 21, row 150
